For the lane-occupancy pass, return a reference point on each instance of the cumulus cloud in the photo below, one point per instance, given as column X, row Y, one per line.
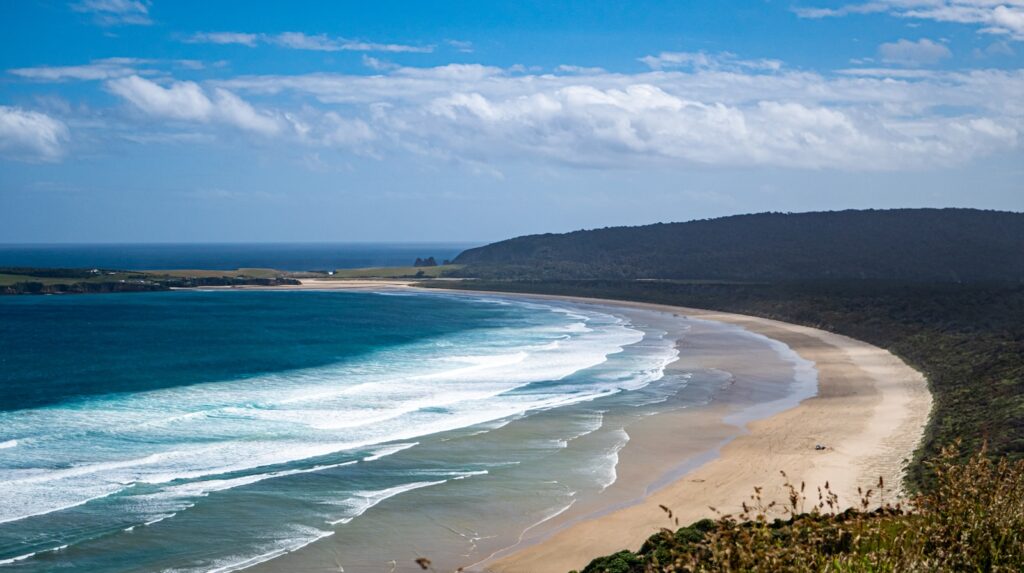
column 115, row 12
column 1004, row 17
column 187, row 101
column 862, row 120
column 585, row 125
column 30, row 135
column 908, row 53
column 705, row 109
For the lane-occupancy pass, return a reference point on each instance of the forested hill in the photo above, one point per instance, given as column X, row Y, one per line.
column 903, row 244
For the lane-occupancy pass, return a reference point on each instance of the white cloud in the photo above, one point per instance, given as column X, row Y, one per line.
column 908, row 53
column 568, row 69
column 187, row 101
column 377, row 64
column 236, row 111
column 30, row 135
column 588, row 126
column 182, row 100
column 890, row 73
column 115, row 12
column 190, row 64
column 706, row 61
column 860, row 120
column 1005, row 17
column 324, row 43
column 301, row 41
column 995, row 49
column 846, row 10
column 223, row 38
column 460, row 45
column 96, row 70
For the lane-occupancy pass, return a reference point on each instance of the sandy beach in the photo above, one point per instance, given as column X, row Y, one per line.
column 869, row 412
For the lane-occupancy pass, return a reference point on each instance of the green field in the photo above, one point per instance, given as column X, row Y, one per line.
column 7, row 279
column 393, row 272
column 21, row 280
column 258, row 273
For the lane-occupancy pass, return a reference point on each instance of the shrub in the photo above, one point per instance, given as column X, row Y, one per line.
column 972, row 520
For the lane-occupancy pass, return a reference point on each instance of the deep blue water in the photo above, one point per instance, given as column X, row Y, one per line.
column 211, row 431
column 283, row 256
column 65, row 347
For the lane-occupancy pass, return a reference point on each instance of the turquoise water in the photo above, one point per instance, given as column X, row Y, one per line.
column 214, row 431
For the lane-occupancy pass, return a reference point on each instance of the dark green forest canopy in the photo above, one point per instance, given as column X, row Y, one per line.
column 903, row 244
column 941, row 288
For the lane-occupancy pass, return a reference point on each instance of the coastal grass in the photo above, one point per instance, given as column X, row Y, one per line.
column 9, row 279
column 971, row 520
column 260, row 273
column 18, row 280
column 394, row 272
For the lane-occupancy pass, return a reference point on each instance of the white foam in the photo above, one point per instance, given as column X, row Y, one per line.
column 8, row 444
column 611, row 465
column 31, row 555
column 396, row 395
column 388, row 450
column 206, row 487
column 284, row 548
column 363, row 501
column 18, row 558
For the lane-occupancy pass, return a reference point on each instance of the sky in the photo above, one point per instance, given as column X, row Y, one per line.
column 474, row 121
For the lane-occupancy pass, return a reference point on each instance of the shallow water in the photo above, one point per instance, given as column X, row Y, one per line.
column 217, row 431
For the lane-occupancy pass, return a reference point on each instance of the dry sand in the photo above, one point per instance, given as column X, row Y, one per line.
column 870, row 412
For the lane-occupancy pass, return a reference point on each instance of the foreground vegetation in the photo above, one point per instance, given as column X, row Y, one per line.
column 967, row 513
column 971, row 520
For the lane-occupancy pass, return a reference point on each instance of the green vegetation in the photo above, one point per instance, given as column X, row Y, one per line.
column 67, row 281
column 53, row 281
column 900, row 244
column 395, row 272
column 968, row 339
column 972, row 520
column 238, row 273
column 942, row 289
column 11, row 276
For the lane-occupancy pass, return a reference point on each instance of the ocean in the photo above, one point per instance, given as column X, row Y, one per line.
column 226, row 256
column 308, row 431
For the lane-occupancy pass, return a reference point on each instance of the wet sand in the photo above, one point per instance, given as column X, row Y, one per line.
column 869, row 412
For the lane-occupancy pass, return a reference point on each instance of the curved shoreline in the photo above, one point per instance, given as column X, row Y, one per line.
column 870, row 412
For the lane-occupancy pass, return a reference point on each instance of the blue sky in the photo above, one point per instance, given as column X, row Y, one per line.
column 125, row 120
